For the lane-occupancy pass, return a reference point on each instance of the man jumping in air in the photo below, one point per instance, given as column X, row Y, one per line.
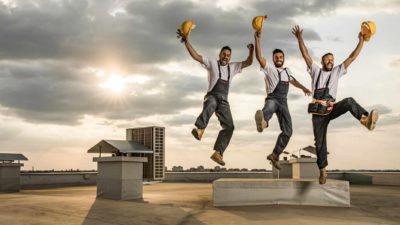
column 220, row 74
column 324, row 107
column 277, row 79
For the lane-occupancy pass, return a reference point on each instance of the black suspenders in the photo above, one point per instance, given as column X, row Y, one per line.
column 279, row 74
column 219, row 71
column 319, row 75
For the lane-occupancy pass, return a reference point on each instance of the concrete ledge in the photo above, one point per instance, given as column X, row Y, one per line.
column 119, row 159
column 242, row 192
column 211, row 176
column 48, row 180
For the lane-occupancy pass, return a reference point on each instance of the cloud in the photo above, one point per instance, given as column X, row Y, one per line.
column 388, row 120
column 334, row 38
column 395, row 63
column 181, row 119
column 366, row 7
column 53, row 92
column 294, row 96
column 9, row 132
column 50, row 51
column 45, row 46
column 382, row 109
column 77, row 30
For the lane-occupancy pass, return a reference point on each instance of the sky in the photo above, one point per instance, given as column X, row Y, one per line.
column 75, row 72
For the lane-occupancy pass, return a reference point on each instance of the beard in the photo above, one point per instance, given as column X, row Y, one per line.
column 328, row 67
column 224, row 61
column 278, row 64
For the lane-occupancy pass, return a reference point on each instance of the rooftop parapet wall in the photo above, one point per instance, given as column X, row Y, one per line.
column 89, row 178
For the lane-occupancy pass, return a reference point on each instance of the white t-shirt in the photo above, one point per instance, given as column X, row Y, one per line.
column 337, row 72
column 272, row 77
column 213, row 74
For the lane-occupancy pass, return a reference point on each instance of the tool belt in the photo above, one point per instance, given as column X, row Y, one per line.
column 320, row 107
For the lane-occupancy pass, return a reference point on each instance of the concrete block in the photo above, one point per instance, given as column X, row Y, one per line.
column 242, row 192
column 114, row 170
column 10, row 185
column 118, row 189
column 284, row 172
column 10, row 177
column 120, row 178
column 304, row 168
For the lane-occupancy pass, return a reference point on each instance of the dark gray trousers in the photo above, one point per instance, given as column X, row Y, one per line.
column 220, row 105
column 320, row 126
column 280, row 107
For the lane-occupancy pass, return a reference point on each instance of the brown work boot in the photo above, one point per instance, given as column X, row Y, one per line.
column 217, row 157
column 197, row 133
column 370, row 121
column 322, row 176
column 274, row 160
column 260, row 121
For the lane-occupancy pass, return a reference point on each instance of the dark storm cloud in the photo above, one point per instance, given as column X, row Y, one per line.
column 146, row 33
column 44, row 46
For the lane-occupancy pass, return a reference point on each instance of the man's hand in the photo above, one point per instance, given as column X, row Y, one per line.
column 296, row 31
column 307, row 92
column 249, row 59
column 330, row 105
column 257, row 34
column 360, row 36
column 355, row 52
column 250, row 46
column 180, row 36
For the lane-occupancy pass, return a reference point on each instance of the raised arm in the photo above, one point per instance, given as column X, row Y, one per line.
column 189, row 47
column 193, row 52
column 301, row 87
column 259, row 56
column 249, row 59
column 356, row 51
column 304, row 52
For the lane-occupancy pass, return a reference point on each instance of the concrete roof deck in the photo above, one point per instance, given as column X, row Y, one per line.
column 188, row 203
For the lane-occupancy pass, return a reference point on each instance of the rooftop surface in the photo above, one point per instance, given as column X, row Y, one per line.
column 188, row 203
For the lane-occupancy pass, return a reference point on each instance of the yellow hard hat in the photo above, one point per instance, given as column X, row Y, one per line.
column 368, row 28
column 258, row 22
column 186, row 27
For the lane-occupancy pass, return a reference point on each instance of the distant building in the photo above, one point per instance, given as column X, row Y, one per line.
column 146, row 142
column 154, row 139
column 10, row 170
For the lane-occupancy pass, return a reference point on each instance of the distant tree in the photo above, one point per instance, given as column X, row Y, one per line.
column 200, row 169
column 177, row 169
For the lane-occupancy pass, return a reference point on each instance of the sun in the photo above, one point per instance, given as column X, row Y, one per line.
column 115, row 83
